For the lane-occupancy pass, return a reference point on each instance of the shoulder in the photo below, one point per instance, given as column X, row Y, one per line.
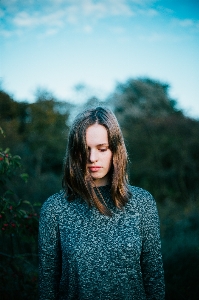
column 145, row 205
column 142, row 198
column 139, row 193
column 53, row 203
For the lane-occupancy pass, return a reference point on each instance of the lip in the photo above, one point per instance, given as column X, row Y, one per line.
column 94, row 168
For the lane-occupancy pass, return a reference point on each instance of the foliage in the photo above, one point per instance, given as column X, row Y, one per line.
column 162, row 143
column 163, row 149
column 142, row 98
column 18, row 232
column 37, row 132
column 180, row 249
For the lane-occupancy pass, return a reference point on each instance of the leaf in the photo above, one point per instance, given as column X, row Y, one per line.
column 7, row 161
column 7, row 150
column 9, row 192
column 2, row 132
column 17, row 157
column 26, row 202
column 23, row 212
column 24, row 176
column 37, row 204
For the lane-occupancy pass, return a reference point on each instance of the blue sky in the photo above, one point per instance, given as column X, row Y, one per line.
column 59, row 45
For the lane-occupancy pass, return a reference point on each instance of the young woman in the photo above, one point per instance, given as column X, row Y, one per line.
column 99, row 237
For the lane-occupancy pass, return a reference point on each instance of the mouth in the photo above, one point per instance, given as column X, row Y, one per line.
column 94, row 169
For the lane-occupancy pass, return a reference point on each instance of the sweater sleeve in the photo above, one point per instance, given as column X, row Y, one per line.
column 49, row 252
column 151, row 258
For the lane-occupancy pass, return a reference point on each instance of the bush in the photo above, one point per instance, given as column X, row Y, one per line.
column 18, row 232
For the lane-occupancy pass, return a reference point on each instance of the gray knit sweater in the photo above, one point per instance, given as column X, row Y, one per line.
column 86, row 255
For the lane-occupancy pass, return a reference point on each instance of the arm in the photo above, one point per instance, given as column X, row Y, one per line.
column 49, row 252
column 151, row 258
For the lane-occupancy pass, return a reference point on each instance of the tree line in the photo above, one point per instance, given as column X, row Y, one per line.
column 163, row 148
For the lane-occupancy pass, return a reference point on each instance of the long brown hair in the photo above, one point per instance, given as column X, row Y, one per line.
column 76, row 179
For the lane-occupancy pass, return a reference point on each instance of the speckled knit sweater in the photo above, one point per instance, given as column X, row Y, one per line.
column 86, row 255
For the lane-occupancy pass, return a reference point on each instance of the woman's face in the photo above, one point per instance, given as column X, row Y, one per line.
column 100, row 156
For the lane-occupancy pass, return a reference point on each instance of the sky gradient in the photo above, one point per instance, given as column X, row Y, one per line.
column 81, row 48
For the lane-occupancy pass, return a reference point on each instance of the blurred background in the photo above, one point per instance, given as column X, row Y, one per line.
column 139, row 58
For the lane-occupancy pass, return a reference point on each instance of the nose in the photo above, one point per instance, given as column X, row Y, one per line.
column 93, row 156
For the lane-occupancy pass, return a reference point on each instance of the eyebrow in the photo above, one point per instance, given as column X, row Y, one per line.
column 102, row 145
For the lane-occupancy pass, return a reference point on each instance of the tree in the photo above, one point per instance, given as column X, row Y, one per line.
column 155, row 133
column 163, row 148
column 46, row 133
column 37, row 132
column 142, row 98
column 13, row 117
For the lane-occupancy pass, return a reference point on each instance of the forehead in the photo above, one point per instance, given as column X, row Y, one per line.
column 96, row 135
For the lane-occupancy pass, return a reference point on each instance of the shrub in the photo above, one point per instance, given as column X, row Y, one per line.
column 18, row 232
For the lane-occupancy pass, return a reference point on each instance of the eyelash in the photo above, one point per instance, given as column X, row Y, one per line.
column 101, row 149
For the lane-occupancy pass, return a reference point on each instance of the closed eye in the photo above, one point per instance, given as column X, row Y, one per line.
column 103, row 149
